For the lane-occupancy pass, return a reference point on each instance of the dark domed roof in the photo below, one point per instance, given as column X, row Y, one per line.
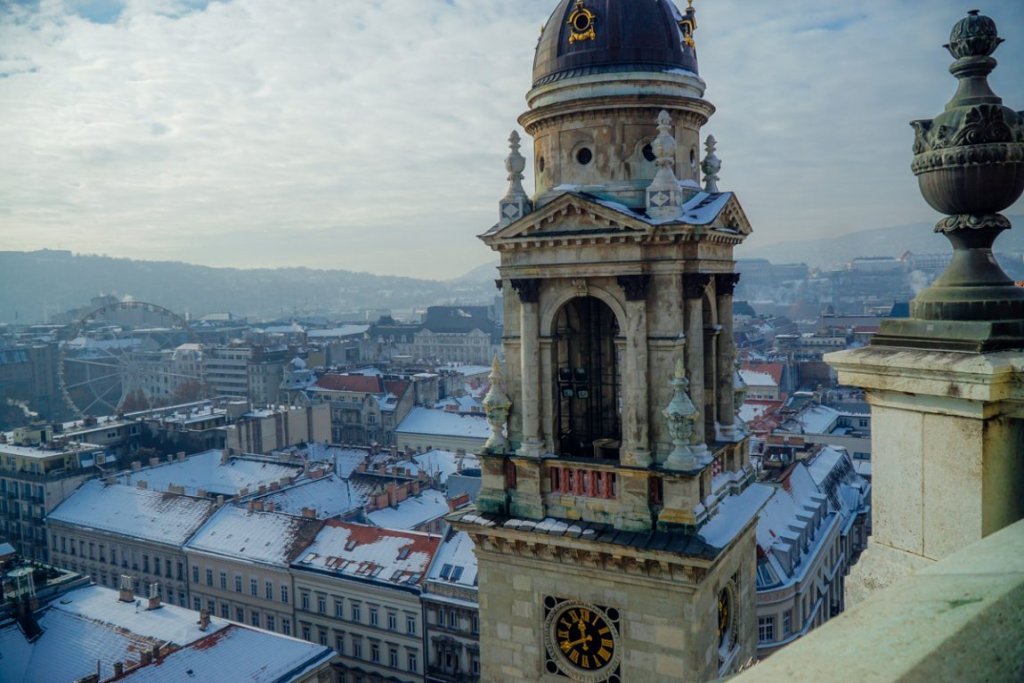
column 627, row 35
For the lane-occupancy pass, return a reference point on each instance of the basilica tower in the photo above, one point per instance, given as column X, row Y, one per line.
column 615, row 525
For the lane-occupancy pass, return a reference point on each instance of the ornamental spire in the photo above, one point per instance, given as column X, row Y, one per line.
column 680, row 415
column 496, row 406
column 515, row 204
column 711, row 165
column 664, row 198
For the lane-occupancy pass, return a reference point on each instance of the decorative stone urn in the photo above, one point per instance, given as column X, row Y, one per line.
column 969, row 162
column 496, row 407
column 680, row 414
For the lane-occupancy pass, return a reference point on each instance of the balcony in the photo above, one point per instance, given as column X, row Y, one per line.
column 957, row 620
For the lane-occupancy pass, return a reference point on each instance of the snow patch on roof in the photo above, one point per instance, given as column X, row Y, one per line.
column 411, row 512
column 442, row 423
column 258, row 536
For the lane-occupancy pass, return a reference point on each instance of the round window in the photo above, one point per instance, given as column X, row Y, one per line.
column 649, row 153
column 584, row 156
column 540, row 164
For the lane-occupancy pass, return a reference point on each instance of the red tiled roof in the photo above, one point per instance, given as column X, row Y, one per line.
column 364, row 384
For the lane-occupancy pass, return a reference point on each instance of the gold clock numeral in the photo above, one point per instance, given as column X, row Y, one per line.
column 574, row 657
column 585, row 615
column 604, row 654
column 585, row 663
column 603, row 631
column 605, row 642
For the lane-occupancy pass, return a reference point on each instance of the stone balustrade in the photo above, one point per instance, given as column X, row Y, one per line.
column 961, row 619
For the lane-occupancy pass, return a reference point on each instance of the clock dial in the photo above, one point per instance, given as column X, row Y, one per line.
column 583, row 640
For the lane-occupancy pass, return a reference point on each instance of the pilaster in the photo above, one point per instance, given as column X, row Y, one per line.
column 694, row 285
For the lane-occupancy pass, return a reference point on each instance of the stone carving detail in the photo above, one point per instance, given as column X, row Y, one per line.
column 725, row 283
column 664, row 198
column 635, row 286
column 711, row 165
column 739, row 394
column 972, row 222
column 527, row 289
column 680, row 415
column 981, row 124
column 515, row 204
column 496, row 406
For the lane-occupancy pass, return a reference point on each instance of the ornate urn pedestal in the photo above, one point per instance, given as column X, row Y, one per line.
column 969, row 162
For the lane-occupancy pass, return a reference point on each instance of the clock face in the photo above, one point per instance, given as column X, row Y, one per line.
column 583, row 640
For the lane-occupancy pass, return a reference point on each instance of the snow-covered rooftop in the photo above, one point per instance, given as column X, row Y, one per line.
column 441, row 423
column 439, row 463
column 343, row 331
column 411, row 512
column 384, row 555
column 266, row 537
column 328, row 496
column 204, row 471
column 754, row 378
column 89, row 628
column 733, row 514
column 143, row 513
column 455, row 561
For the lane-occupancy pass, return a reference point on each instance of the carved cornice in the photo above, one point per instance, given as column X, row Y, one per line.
column 694, row 284
column 635, row 286
column 725, row 283
column 528, row 290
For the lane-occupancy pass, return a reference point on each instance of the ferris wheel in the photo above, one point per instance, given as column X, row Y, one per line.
column 127, row 356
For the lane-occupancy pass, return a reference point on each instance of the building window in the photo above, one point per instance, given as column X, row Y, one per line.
column 270, row 622
column 393, row 657
column 321, row 604
column 181, row 567
column 787, row 622
column 270, row 590
column 167, row 567
column 413, row 664
column 209, row 577
column 304, row 600
column 476, row 623
column 145, row 560
column 197, row 604
column 286, row 627
column 225, row 610
column 238, row 583
column 392, row 621
column 305, row 632
column 240, row 615
column 254, row 618
column 339, row 643
column 766, row 629
column 357, row 648
column 211, row 607
column 357, row 612
column 254, row 587
column 453, row 619
column 373, row 616
column 284, row 594
column 339, row 609
column 224, row 580
column 410, row 625
column 322, row 636
column 375, row 653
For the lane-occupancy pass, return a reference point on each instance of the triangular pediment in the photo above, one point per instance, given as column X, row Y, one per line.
column 570, row 215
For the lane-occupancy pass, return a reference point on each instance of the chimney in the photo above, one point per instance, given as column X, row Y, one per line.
column 154, row 596
column 202, row 493
column 274, row 486
column 220, row 501
column 204, row 619
column 414, row 486
column 309, row 513
column 394, row 451
column 243, row 492
column 136, row 466
column 145, row 657
column 257, row 505
column 225, row 455
column 154, row 461
column 126, row 592
column 181, row 455
column 392, row 499
column 118, row 669
column 155, row 652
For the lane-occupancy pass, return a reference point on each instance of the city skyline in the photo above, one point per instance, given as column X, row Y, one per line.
column 254, row 134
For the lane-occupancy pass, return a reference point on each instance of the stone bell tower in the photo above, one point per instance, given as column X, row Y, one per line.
column 615, row 526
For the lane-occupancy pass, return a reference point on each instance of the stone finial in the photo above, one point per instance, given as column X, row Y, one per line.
column 680, row 416
column 739, row 394
column 496, row 406
column 515, row 204
column 969, row 163
column 711, row 165
column 664, row 198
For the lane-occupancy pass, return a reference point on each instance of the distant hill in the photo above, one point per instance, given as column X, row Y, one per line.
column 37, row 285
column 488, row 272
column 892, row 241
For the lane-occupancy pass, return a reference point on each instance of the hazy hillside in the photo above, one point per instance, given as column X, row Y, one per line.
column 36, row 285
column 892, row 241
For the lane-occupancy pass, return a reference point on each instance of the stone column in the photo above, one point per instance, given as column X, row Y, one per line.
column 725, row 286
column 694, row 285
column 529, row 331
column 635, row 417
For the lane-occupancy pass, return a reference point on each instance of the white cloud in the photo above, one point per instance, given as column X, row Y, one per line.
column 370, row 135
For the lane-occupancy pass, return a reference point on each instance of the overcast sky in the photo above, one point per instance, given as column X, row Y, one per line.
column 370, row 134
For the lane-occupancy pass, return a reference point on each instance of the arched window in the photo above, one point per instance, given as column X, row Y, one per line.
column 587, row 380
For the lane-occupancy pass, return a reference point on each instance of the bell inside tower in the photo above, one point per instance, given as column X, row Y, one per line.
column 587, row 381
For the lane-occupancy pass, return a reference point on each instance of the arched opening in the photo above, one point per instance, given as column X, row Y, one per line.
column 587, row 415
